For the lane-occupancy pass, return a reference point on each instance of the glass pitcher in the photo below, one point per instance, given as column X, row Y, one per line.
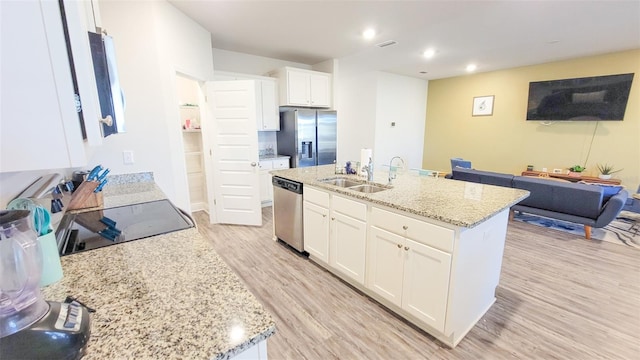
column 20, row 269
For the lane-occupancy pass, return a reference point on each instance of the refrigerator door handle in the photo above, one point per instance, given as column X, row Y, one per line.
column 310, row 149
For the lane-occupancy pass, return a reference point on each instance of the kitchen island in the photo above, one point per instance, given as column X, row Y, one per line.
column 429, row 249
column 165, row 297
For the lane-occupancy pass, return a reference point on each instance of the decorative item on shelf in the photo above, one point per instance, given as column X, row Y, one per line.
column 606, row 171
column 529, row 167
column 575, row 170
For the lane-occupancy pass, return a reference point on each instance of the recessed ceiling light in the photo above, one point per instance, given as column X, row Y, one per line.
column 369, row 34
column 429, row 53
column 471, row 67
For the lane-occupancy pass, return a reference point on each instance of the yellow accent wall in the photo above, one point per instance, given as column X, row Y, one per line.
column 506, row 142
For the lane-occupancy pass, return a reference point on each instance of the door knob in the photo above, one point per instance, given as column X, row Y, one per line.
column 254, row 164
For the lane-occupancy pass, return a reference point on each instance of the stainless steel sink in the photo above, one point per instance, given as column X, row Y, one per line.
column 367, row 188
column 342, row 182
column 355, row 185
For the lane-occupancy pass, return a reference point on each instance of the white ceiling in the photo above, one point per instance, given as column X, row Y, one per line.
column 492, row 34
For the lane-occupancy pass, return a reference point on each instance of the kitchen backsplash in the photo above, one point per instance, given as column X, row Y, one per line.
column 267, row 143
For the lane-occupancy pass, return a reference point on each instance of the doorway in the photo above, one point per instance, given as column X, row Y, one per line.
column 188, row 95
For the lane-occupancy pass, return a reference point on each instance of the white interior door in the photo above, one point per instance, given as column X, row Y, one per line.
column 234, row 145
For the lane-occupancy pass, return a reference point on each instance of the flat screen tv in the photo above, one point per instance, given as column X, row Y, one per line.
column 581, row 99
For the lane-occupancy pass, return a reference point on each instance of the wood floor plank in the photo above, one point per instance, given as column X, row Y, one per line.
column 560, row 297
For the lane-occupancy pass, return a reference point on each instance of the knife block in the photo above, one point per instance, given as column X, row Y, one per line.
column 84, row 197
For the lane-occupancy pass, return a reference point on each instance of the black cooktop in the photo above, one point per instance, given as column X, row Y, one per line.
column 99, row 228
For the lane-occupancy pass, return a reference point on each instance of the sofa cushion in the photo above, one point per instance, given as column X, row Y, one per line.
column 608, row 190
column 482, row 177
column 577, row 199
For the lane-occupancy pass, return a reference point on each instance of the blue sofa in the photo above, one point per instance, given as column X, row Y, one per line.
column 579, row 203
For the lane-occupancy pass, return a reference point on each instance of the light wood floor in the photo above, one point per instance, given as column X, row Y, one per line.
column 560, row 297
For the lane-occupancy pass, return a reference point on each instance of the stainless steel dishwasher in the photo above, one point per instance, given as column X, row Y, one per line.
column 287, row 212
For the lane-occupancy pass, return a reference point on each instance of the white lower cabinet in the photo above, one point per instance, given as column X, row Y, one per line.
column 410, row 275
column 406, row 271
column 266, row 188
column 347, row 243
column 442, row 278
column 426, row 283
column 385, row 264
column 316, row 231
column 335, row 232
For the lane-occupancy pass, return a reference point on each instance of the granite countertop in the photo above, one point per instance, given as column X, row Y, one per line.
column 451, row 201
column 166, row 297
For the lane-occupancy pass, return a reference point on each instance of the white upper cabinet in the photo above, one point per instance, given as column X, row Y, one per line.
column 40, row 128
column 300, row 87
column 268, row 116
column 320, row 92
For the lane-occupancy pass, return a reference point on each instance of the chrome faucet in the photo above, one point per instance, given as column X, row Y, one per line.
column 392, row 174
column 369, row 169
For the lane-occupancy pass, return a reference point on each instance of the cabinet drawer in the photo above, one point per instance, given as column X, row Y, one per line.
column 350, row 208
column 314, row 196
column 281, row 163
column 265, row 164
column 423, row 232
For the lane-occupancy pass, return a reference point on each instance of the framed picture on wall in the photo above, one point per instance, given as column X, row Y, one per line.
column 482, row 106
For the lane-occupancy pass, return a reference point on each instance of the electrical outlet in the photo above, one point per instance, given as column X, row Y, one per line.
column 127, row 157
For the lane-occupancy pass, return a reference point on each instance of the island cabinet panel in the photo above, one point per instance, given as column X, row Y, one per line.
column 385, row 264
column 316, row 231
column 426, row 233
column 426, row 283
column 314, row 196
column 407, row 273
column 439, row 272
column 347, row 245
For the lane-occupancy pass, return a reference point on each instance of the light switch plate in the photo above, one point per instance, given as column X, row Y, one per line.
column 127, row 157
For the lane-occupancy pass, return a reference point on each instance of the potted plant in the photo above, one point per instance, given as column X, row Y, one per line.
column 606, row 171
column 575, row 170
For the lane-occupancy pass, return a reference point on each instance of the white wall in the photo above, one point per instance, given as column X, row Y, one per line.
column 400, row 99
column 153, row 41
column 367, row 103
column 232, row 61
column 356, row 115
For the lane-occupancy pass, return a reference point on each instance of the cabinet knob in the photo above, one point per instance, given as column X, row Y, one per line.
column 254, row 164
column 405, row 227
column 406, row 248
column 333, row 218
column 323, row 215
column 399, row 246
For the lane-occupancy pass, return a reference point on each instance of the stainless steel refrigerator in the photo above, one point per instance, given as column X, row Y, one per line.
column 308, row 136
